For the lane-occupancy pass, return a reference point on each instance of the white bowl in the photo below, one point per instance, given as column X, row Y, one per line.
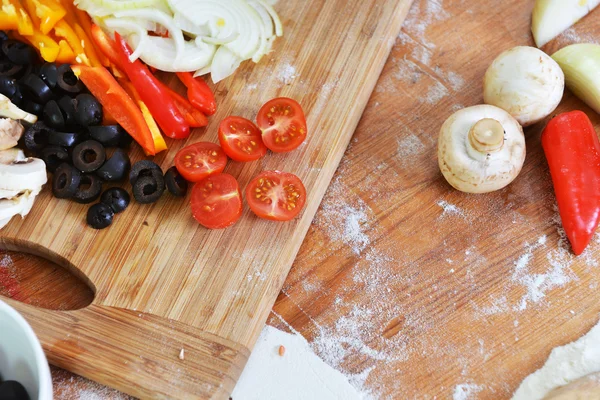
column 21, row 356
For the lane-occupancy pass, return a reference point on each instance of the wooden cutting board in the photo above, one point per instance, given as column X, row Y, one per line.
column 162, row 283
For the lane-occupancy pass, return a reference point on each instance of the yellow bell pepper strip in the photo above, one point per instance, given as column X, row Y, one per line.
column 85, row 22
column 88, row 46
column 159, row 141
column 117, row 102
column 66, row 55
column 48, row 13
column 47, row 46
column 64, row 30
column 9, row 19
column 84, row 38
column 14, row 17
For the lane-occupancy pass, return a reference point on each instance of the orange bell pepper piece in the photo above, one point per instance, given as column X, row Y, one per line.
column 159, row 141
column 64, row 30
column 86, row 24
column 66, row 55
column 117, row 102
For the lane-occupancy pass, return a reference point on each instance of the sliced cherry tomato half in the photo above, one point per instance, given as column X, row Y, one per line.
column 241, row 139
column 283, row 124
column 217, row 201
column 275, row 195
column 199, row 160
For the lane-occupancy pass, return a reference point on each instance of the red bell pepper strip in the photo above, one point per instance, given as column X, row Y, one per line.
column 153, row 93
column 192, row 115
column 117, row 102
column 199, row 94
column 106, row 45
column 573, row 153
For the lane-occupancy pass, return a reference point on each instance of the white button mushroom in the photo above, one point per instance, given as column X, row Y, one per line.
column 526, row 82
column 481, row 149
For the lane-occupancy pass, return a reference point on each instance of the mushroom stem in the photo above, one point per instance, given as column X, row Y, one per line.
column 487, row 136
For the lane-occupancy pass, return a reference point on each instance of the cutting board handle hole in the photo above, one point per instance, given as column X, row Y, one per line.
column 23, row 263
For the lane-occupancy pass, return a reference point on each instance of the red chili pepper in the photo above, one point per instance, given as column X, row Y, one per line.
column 153, row 93
column 192, row 115
column 199, row 94
column 117, row 102
column 573, row 153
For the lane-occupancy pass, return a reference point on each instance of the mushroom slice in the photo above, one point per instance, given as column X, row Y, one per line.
column 21, row 205
column 9, row 110
column 11, row 156
column 23, row 175
column 481, row 149
column 10, row 133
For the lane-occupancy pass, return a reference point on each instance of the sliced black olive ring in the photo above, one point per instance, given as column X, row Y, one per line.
column 37, row 89
column 147, row 189
column 53, row 116
column 67, row 81
column 54, row 156
column 176, row 185
column 145, row 168
column 89, row 156
column 36, row 136
column 89, row 110
column 100, row 216
column 116, row 198
column 116, row 168
column 110, row 135
column 89, row 189
column 65, row 182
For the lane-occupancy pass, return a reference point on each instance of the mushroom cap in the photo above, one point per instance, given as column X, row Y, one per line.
column 472, row 171
column 526, row 82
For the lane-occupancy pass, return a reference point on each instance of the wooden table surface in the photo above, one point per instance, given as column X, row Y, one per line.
column 409, row 287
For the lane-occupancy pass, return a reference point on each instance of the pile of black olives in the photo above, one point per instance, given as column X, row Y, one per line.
column 72, row 142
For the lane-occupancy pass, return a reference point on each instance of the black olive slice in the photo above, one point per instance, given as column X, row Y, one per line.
column 36, row 136
column 116, row 168
column 110, row 135
column 9, row 69
column 49, row 74
column 3, row 36
column 18, row 52
column 89, row 189
column 147, row 190
column 89, row 156
column 34, row 108
column 88, row 110
column 37, row 90
column 8, row 86
column 176, row 185
column 54, row 156
column 64, row 139
column 116, row 198
column 67, row 81
column 65, row 182
column 67, row 106
column 17, row 99
column 53, row 116
column 145, row 168
column 100, row 216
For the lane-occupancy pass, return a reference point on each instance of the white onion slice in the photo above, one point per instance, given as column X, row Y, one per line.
column 160, row 18
column 159, row 53
column 127, row 27
column 224, row 64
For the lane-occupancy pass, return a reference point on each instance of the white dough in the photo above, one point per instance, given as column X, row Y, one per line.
column 565, row 365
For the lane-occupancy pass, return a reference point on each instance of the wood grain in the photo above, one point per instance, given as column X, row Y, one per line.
column 434, row 305
column 156, row 261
